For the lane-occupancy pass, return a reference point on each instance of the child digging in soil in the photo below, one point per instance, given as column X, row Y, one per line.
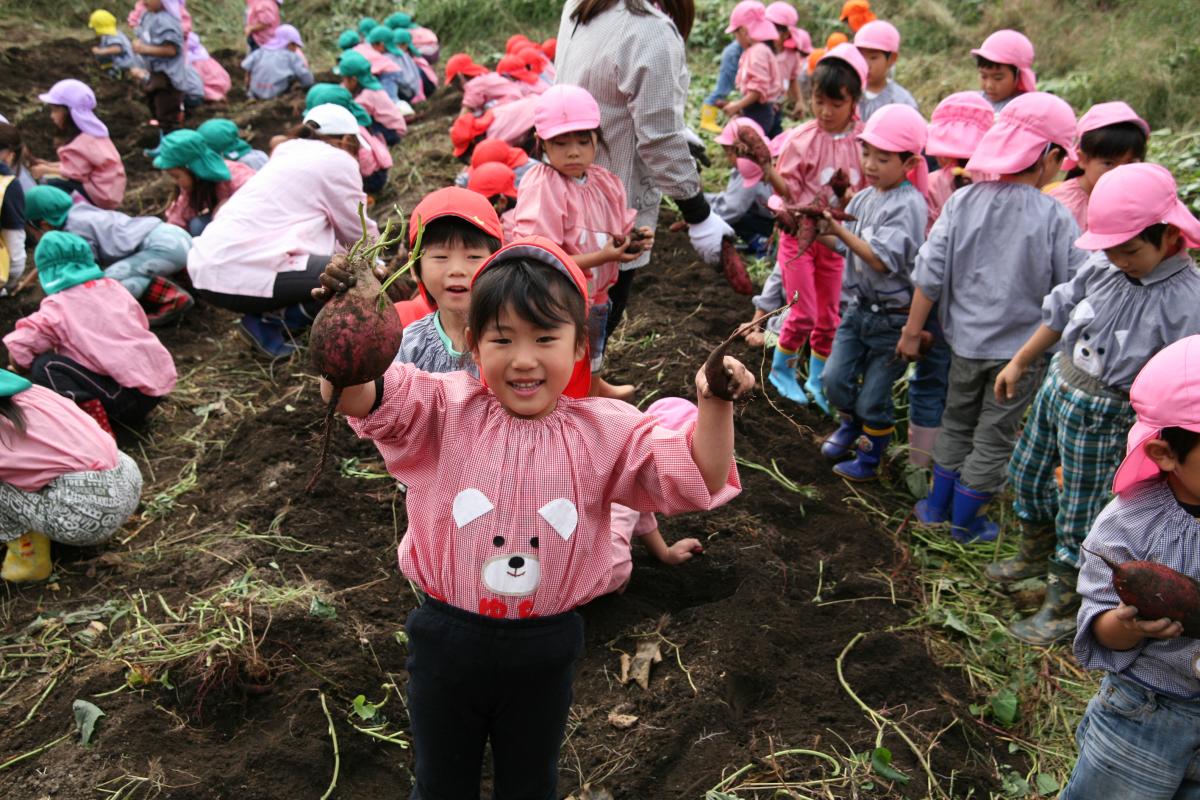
column 89, row 339
column 278, row 63
column 12, row 210
column 1138, row 295
column 223, row 137
column 1005, row 61
column 506, row 554
column 368, row 92
column 141, row 253
column 582, row 207
column 213, row 76
column 61, row 479
column 88, row 162
column 203, row 180
column 998, row 249
column 114, row 49
column 880, row 248
column 743, row 202
column 1141, row 731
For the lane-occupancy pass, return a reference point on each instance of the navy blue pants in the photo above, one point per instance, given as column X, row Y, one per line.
column 80, row 384
column 474, row 679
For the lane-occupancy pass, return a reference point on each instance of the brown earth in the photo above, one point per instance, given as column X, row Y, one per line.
column 750, row 630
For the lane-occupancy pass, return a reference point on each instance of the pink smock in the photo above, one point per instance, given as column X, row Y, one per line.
column 95, row 162
column 579, row 215
column 59, row 439
column 382, row 109
column 791, row 65
column 375, row 157
column 303, row 202
column 513, row 122
column 484, row 91
column 626, row 523
column 263, row 12
column 180, row 212
column 380, row 63
column 509, row 517
column 216, row 80
column 810, row 157
column 1072, row 195
column 100, row 326
column 758, row 71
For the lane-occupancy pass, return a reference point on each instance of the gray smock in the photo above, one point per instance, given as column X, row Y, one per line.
column 272, row 71
column 738, row 200
column 160, row 28
column 893, row 224
column 426, row 347
column 111, row 234
column 892, row 93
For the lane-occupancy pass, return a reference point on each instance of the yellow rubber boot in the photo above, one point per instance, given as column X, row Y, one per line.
column 708, row 119
column 27, row 560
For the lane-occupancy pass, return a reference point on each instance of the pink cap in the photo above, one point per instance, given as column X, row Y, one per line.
column 753, row 15
column 1131, row 198
column 898, row 128
column 849, row 53
column 1021, row 133
column 80, row 101
column 1102, row 115
column 675, row 413
column 1011, row 47
column 800, row 40
column 782, row 13
column 751, row 173
column 564, row 108
column 957, row 125
column 878, row 35
column 728, row 135
column 1165, row 394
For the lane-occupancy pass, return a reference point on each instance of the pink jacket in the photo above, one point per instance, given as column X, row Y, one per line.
column 59, row 439
column 579, row 216
column 512, row 122
column 102, row 327
column 216, row 80
column 263, row 12
column 382, row 109
column 180, row 212
column 374, row 158
column 1072, row 195
column 95, row 162
column 809, row 157
column 484, row 91
column 509, row 517
column 380, row 63
column 758, row 71
column 791, row 64
column 626, row 523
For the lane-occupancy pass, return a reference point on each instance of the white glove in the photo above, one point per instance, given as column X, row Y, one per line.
column 693, row 138
column 706, row 237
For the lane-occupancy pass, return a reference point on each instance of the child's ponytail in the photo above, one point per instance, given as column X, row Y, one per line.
column 11, row 412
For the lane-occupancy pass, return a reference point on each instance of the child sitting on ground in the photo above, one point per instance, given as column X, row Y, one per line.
column 140, row 253
column 580, row 206
column 1005, row 61
column 505, row 555
column 510, row 122
column 880, row 247
column 879, row 43
column 216, row 80
column 998, row 249
column 497, row 183
column 203, row 180
column 759, row 80
column 62, row 479
column 223, row 137
column 89, row 339
column 348, row 39
column 278, row 63
column 88, row 162
column 743, row 202
column 1109, row 135
column 391, row 75
column 481, row 88
column 1125, row 304
column 114, row 50
column 386, row 116
column 1137, row 738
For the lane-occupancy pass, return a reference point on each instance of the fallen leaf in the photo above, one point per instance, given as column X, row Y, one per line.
column 86, row 715
column 621, row 722
column 648, row 653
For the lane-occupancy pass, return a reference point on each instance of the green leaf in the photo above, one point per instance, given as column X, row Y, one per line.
column 1004, row 706
column 952, row 620
column 1046, row 784
column 881, row 762
column 86, row 715
column 365, row 709
column 322, row 609
column 916, row 480
column 401, row 638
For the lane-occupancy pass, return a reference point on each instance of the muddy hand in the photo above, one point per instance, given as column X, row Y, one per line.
column 335, row 279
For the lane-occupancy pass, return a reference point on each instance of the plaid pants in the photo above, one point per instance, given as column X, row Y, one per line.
column 1083, row 432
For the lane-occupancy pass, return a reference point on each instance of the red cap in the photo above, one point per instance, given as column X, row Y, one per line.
column 467, row 128
column 493, row 178
column 516, row 42
column 454, row 201
column 539, row 248
column 513, row 66
column 550, row 48
column 462, row 64
column 533, row 57
column 499, row 151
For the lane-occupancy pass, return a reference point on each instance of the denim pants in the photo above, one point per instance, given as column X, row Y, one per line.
column 726, row 78
column 930, row 378
column 1135, row 744
column 863, row 366
column 163, row 252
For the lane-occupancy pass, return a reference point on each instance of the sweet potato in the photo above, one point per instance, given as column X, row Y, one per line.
column 750, row 145
column 1157, row 591
column 714, row 366
column 734, row 268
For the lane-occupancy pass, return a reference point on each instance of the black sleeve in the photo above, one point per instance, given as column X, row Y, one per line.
column 12, row 210
column 694, row 209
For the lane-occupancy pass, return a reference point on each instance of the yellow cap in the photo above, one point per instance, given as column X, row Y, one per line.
column 102, row 22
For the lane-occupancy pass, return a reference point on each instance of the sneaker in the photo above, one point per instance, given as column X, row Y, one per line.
column 268, row 336
column 165, row 301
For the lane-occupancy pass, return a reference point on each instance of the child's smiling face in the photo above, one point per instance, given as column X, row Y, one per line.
column 571, row 153
column 446, row 272
column 527, row 366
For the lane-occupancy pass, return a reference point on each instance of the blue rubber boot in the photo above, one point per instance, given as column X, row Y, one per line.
column 269, row 336
column 814, row 386
column 935, row 508
column 840, row 443
column 865, row 466
column 295, row 317
column 966, row 523
column 783, row 377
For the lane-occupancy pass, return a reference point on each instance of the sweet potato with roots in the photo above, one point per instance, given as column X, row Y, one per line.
column 714, row 366
column 357, row 333
column 1157, row 591
column 734, row 268
column 750, row 145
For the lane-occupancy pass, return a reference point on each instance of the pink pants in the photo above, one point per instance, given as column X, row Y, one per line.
column 814, row 278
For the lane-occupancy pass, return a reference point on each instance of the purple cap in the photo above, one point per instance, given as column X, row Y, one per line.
column 80, row 100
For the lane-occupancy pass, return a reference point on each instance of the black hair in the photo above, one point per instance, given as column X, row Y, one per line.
column 536, row 292
column 202, row 197
column 834, row 77
column 983, row 63
column 1052, row 148
column 10, row 411
column 1181, row 442
column 69, row 130
column 1154, row 234
column 681, row 12
column 961, row 178
column 452, row 232
column 10, row 138
column 1115, row 141
column 904, row 155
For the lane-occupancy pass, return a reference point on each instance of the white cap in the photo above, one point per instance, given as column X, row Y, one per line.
column 328, row 119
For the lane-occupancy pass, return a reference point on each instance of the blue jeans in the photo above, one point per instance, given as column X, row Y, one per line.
column 1135, row 744
column 927, row 386
column 730, row 57
column 863, row 366
column 163, row 252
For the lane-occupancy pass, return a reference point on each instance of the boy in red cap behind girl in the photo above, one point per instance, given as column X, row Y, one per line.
column 1141, row 732
column 1137, row 294
column 509, row 122
column 1005, row 63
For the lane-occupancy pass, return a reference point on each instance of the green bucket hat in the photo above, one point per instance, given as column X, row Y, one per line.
column 367, row 24
column 348, row 39
column 11, row 383
column 355, row 65
column 398, row 20
column 380, row 35
column 65, row 260
column 403, row 38
column 338, row 95
column 222, row 136
column 188, row 149
column 47, row 203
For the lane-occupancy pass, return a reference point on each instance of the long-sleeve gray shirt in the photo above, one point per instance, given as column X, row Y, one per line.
column 126, row 59
column 892, row 93
column 160, row 28
column 1112, row 324
column 893, row 224
column 272, row 71
column 111, row 234
column 1145, row 523
column 738, row 200
column 995, row 252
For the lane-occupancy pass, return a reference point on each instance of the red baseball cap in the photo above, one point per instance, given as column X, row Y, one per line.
column 467, row 128
column 454, row 201
column 462, row 64
column 516, row 42
column 499, row 151
column 493, row 178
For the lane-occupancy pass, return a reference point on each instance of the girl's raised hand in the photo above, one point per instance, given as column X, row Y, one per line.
column 741, row 380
